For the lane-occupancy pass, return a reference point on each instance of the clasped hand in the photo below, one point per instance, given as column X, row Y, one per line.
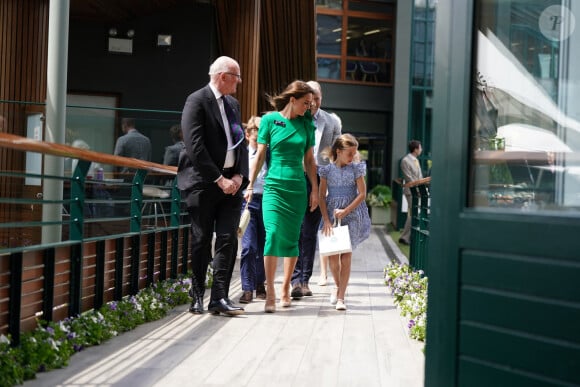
column 230, row 186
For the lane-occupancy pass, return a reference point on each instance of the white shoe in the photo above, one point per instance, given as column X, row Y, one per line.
column 322, row 280
column 333, row 296
column 340, row 305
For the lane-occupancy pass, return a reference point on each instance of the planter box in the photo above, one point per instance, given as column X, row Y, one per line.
column 380, row 215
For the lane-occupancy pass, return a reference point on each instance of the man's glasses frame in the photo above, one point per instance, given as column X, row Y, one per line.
column 234, row 74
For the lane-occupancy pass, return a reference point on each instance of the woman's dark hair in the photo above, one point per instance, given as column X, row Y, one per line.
column 296, row 89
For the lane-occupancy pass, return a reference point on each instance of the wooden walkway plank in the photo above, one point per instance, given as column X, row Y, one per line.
column 309, row 343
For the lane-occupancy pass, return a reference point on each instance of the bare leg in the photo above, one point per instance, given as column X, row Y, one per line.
column 334, row 261
column 345, row 264
column 323, row 270
column 289, row 263
column 270, row 265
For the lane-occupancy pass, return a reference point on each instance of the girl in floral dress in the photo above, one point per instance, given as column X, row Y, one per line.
column 344, row 181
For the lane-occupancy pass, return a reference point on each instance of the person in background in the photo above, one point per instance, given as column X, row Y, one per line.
column 344, row 182
column 289, row 132
column 252, row 256
column 411, row 170
column 211, row 174
column 171, row 156
column 132, row 144
column 328, row 128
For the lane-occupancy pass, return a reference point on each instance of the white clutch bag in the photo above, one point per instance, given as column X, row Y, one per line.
column 244, row 221
column 336, row 243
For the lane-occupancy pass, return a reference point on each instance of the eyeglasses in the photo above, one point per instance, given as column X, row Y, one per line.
column 235, row 75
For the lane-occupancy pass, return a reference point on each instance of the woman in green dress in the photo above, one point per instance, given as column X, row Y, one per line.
column 289, row 134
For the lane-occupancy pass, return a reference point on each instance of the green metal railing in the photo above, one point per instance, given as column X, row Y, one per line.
column 421, row 211
column 120, row 233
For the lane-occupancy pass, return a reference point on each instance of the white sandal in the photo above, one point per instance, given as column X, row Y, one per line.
column 333, row 296
column 340, row 305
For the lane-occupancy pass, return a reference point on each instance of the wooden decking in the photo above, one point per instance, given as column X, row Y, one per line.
column 308, row 344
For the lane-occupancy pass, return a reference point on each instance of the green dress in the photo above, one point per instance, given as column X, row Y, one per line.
column 285, row 199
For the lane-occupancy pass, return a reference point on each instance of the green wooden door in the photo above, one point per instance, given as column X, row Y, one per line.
column 504, row 257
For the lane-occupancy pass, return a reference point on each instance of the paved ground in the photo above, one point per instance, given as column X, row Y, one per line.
column 308, row 344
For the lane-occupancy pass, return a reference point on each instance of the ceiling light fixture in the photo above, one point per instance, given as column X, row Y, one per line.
column 372, row 32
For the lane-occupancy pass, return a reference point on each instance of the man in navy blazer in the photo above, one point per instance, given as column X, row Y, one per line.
column 212, row 172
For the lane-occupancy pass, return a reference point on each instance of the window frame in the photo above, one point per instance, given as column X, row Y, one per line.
column 344, row 58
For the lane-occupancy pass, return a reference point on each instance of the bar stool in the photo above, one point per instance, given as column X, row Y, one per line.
column 154, row 206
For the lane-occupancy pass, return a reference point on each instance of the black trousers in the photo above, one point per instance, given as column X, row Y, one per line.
column 212, row 211
column 307, row 243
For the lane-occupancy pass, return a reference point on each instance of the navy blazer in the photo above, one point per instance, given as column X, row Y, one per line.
column 206, row 144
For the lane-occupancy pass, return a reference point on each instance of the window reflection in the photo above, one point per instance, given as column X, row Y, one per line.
column 328, row 68
column 526, row 115
column 332, row 4
column 329, row 31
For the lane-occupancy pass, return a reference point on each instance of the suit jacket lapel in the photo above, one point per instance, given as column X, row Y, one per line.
column 215, row 109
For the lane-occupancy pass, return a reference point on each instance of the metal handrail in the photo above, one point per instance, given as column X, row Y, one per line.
column 421, row 211
column 118, row 263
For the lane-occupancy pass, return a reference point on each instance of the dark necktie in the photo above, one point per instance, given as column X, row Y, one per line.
column 235, row 128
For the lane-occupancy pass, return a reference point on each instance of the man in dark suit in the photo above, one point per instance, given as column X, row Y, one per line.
column 212, row 172
column 328, row 129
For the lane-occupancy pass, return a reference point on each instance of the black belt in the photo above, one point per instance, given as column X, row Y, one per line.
column 228, row 172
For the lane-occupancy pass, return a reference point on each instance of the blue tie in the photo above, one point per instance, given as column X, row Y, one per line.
column 235, row 127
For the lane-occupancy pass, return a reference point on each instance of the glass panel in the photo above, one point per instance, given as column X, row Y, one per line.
column 328, row 68
column 329, row 33
column 423, row 47
column 525, row 125
column 333, row 4
column 368, row 38
column 370, row 6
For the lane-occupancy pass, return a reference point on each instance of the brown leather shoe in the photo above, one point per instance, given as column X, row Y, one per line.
column 261, row 292
column 296, row 291
column 306, row 292
column 247, row 297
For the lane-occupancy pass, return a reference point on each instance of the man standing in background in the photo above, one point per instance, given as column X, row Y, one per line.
column 171, row 156
column 328, row 128
column 132, row 144
column 411, row 170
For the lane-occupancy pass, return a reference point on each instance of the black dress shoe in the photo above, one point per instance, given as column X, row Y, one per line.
column 222, row 306
column 196, row 306
column 403, row 242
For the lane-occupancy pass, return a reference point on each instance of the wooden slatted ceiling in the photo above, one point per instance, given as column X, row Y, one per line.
column 118, row 10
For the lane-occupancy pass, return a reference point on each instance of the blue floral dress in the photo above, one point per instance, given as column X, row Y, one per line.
column 342, row 190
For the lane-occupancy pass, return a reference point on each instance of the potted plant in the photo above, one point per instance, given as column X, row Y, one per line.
column 379, row 199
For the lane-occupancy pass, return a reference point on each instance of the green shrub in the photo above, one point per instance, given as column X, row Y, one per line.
column 379, row 196
column 52, row 344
